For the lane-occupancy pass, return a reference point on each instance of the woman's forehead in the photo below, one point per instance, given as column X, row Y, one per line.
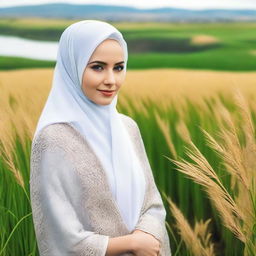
column 108, row 49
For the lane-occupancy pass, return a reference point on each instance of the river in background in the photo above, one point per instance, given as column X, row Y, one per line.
column 20, row 47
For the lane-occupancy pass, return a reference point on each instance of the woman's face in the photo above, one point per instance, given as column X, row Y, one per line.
column 104, row 72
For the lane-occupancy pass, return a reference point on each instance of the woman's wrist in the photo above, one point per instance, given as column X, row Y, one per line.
column 132, row 243
column 120, row 245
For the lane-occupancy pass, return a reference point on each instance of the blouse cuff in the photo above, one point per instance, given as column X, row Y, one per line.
column 150, row 224
column 95, row 245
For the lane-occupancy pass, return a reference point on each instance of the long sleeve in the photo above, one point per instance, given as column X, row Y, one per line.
column 54, row 191
column 152, row 219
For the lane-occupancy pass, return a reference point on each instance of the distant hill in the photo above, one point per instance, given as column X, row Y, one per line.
column 122, row 13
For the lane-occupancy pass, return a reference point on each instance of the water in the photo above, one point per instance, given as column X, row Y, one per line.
column 32, row 49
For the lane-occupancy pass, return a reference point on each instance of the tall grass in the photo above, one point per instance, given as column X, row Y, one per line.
column 236, row 148
column 17, row 230
column 197, row 239
column 166, row 127
column 176, row 126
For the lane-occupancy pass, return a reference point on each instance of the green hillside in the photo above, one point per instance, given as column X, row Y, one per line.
column 216, row 46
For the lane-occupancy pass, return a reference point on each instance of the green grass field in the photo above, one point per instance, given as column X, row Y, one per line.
column 157, row 44
column 230, row 46
column 16, row 218
column 9, row 63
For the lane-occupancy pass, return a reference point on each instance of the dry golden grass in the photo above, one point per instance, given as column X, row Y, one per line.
column 204, row 40
column 253, row 52
column 160, row 84
column 197, row 240
column 238, row 153
column 25, row 88
column 183, row 131
column 31, row 87
column 165, row 128
column 174, row 84
column 19, row 91
column 7, row 144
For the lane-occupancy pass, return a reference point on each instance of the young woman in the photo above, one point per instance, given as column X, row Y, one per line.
column 92, row 189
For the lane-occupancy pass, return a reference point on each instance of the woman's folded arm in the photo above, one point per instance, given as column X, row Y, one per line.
column 152, row 219
column 58, row 228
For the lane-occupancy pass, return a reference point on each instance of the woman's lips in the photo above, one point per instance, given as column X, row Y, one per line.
column 107, row 93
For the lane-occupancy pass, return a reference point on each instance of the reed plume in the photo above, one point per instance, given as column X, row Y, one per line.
column 237, row 150
column 165, row 128
column 197, row 240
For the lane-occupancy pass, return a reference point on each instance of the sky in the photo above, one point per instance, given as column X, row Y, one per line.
column 187, row 4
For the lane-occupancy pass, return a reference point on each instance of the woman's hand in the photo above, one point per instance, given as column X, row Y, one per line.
column 145, row 244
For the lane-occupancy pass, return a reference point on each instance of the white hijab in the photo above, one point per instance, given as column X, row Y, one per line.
column 101, row 125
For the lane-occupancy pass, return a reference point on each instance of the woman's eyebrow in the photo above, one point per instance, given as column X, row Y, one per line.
column 104, row 63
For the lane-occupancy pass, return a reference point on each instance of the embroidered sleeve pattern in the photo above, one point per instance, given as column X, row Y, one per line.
column 58, row 229
column 153, row 214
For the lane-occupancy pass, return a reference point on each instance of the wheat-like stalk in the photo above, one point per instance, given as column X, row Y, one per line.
column 183, row 131
column 237, row 208
column 197, row 240
column 165, row 128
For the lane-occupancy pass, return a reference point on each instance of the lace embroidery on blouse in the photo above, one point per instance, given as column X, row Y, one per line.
column 101, row 208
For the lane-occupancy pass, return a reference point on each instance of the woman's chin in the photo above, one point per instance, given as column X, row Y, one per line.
column 104, row 102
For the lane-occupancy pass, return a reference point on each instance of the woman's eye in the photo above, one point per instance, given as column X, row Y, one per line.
column 97, row 67
column 119, row 68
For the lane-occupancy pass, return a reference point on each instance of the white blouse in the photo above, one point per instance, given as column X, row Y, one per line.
column 73, row 208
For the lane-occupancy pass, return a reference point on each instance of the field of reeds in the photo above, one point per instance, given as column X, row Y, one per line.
column 202, row 157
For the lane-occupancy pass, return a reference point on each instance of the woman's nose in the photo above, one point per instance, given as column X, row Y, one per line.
column 110, row 77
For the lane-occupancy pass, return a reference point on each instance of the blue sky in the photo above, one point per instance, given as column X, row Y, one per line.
column 188, row 4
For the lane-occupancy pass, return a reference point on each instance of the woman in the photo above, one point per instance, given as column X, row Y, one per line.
column 91, row 185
